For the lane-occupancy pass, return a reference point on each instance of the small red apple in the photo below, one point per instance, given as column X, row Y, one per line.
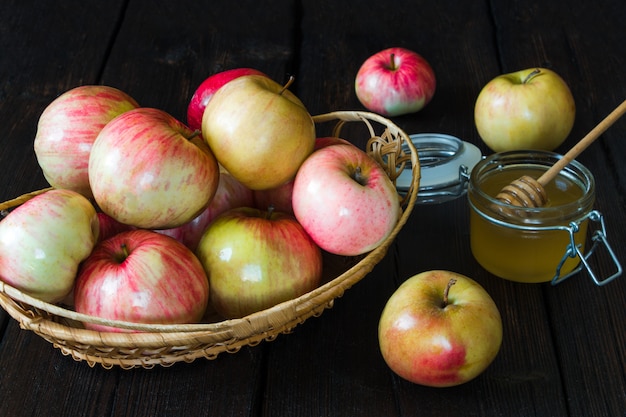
column 439, row 329
column 205, row 92
column 395, row 81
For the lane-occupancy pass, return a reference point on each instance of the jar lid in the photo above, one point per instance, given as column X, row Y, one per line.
column 445, row 165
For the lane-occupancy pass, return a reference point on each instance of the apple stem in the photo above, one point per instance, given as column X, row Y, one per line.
column 358, row 176
column 392, row 62
column 532, row 75
column 286, row 86
column 446, row 292
column 270, row 211
column 194, row 134
column 124, row 253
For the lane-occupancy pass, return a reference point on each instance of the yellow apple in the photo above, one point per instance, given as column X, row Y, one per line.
column 259, row 131
column 529, row 109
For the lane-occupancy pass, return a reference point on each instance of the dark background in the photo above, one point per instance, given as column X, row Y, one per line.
column 564, row 348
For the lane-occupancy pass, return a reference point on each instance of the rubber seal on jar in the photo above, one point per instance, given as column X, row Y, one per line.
column 445, row 164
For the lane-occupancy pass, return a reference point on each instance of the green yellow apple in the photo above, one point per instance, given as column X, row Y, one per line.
column 43, row 241
column 256, row 259
column 259, row 131
column 529, row 109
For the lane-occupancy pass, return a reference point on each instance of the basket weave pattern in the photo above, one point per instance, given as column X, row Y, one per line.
column 168, row 344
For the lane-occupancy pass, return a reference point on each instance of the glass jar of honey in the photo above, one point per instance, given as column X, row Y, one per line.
column 531, row 245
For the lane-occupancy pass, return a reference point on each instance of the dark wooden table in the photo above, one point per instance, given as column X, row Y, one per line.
column 564, row 347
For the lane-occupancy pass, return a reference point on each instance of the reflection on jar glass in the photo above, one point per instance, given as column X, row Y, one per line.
column 528, row 244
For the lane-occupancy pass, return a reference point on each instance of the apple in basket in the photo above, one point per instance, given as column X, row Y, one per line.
column 149, row 170
column 110, row 227
column 205, row 92
column 280, row 197
column 439, row 329
column 528, row 109
column 256, row 259
column 140, row 276
column 43, row 241
column 259, row 131
column 67, row 129
column 394, row 82
column 344, row 200
column 230, row 194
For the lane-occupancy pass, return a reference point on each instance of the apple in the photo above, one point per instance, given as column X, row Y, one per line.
column 140, row 276
column 256, row 259
column 259, row 131
column 394, row 82
column 529, row 109
column 43, row 241
column 280, row 197
column 110, row 227
column 230, row 194
column 148, row 170
column 328, row 141
column 67, row 128
column 344, row 200
column 439, row 329
column 207, row 88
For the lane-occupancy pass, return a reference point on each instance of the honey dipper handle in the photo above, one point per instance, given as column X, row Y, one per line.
column 582, row 144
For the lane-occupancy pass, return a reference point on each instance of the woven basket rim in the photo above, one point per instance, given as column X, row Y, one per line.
column 207, row 339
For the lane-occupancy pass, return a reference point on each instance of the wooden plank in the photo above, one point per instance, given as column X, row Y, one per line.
column 335, row 41
column 37, row 380
column 586, row 45
column 169, row 48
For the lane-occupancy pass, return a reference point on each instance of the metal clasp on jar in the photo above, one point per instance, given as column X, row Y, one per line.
column 599, row 240
column 445, row 164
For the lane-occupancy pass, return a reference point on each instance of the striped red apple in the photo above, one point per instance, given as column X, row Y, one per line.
column 140, row 276
column 149, row 170
column 395, row 81
column 67, row 128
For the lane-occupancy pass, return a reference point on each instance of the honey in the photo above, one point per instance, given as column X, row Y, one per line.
column 528, row 244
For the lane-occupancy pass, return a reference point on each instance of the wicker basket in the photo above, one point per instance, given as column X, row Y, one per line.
column 168, row 344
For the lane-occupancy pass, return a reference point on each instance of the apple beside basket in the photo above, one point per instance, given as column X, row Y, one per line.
column 167, row 344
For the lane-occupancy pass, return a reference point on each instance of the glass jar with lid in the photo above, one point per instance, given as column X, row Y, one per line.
column 540, row 244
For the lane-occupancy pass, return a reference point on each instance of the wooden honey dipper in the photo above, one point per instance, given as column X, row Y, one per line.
column 529, row 192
